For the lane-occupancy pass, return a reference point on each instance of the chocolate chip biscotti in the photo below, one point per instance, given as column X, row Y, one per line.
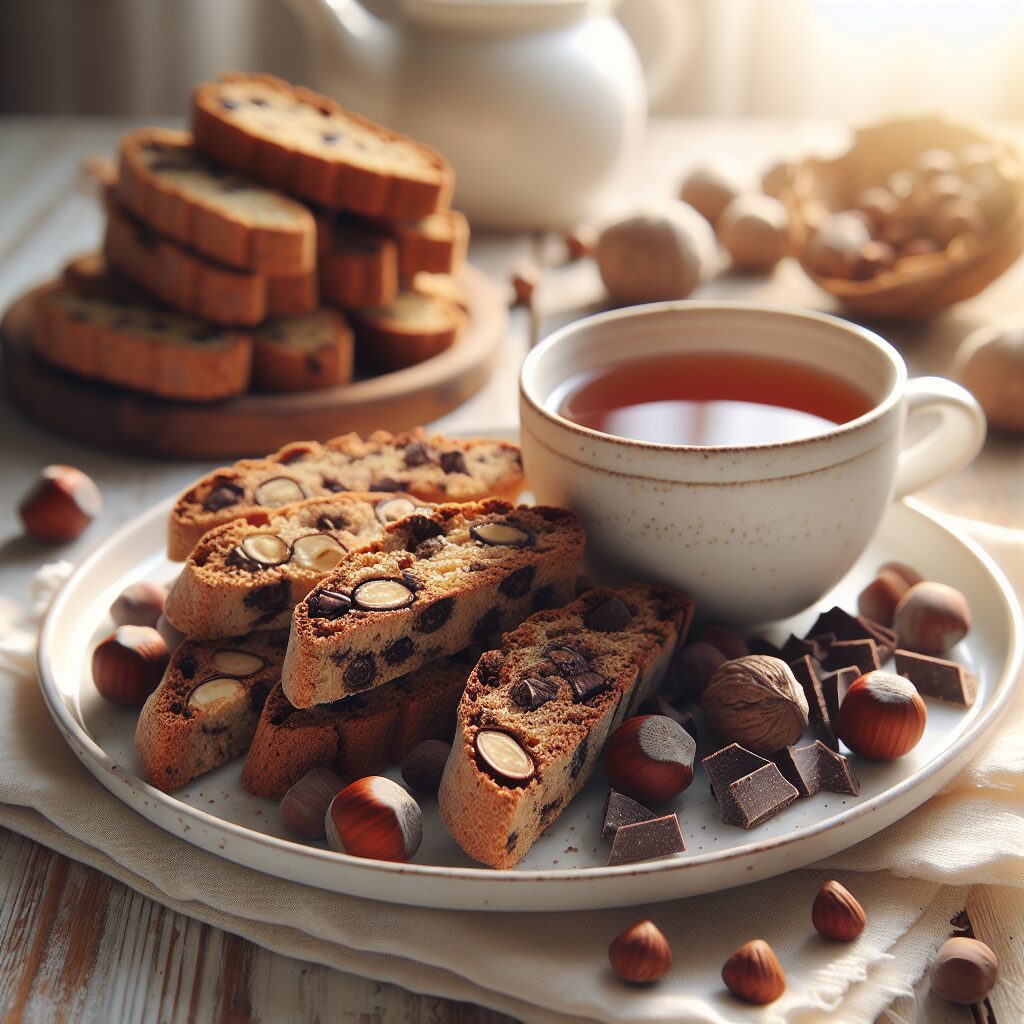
column 357, row 736
column 250, row 573
column 536, row 714
column 166, row 183
column 357, row 267
column 140, row 347
column 430, row 467
column 205, row 710
column 309, row 146
column 434, row 584
column 302, row 353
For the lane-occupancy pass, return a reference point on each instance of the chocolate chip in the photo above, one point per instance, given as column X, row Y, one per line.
column 567, row 658
column 543, row 598
column 487, row 624
column 517, row 584
column 646, row 840
column 579, row 758
column 549, row 812
column 329, row 522
column 510, row 843
column 422, row 528
column 587, row 685
column 620, row 810
column 361, row 672
column 430, row 547
column 416, row 454
column 333, row 486
column 400, row 650
column 270, row 600
column 258, row 693
column 258, row 101
column 433, row 617
column 228, row 104
column 328, row 604
column 609, row 616
column 454, row 462
column 330, row 137
column 187, row 666
column 532, row 692
column 385, row 483
column 223, row 495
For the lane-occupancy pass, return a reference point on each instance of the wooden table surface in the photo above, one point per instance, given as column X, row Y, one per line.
column 76, row 945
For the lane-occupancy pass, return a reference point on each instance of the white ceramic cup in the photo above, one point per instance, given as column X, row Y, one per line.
column 753, row 532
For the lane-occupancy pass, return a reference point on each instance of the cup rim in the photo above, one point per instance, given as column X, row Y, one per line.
column 876, row 412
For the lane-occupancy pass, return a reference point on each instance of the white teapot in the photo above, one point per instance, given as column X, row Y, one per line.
column 533, row 101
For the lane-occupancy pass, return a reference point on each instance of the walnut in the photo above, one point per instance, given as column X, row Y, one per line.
column 756, row 702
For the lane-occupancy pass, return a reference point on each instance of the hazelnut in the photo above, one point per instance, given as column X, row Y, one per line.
column 833, row 250
column 580, row 242
column 991, row 366
column 128, row 665
column 996, row 198
column 775, row 180
column 878, row 600
column 753, row 973
column 882, row 716
column 650, row 758
column 424, row 765
column 659, row 705
column 878, row 203
column 931, row 618
column 641, row 954
column 755, row 701
column 873, row 258
column 139, row 604
column 930, row 163
column 964, row 971
column 836, row 914
column 695, row 665
column 711, row 188
column 374, row 817
column 63, row 502
column 953, row 218
column 911, row 575
column 754, row 231
column 659, row 255
column 728, row 642
column 525, row 278
column 304, row 806
column 172, row 636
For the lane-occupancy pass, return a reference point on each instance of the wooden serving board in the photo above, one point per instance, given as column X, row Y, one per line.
column 252, row 424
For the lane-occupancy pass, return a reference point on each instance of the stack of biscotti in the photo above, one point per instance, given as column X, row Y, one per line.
column 276, row 201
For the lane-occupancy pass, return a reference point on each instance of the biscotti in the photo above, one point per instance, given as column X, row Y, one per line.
column 197, row 285
column 205, row 710
column 432, row 468
column 435, row 583
column 302, row 353
column 166, row 183
column 250, row 573
column 415, row 327
column 536, row 714
column 90, row 274
column 140, row 347
column 356, row 736
column 307, row 145
column 358, row 267
column 435, row 245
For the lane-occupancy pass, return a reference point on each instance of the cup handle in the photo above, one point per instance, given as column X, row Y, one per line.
column 950, row 444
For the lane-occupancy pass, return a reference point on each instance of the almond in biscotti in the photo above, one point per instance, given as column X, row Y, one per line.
column 435, row 583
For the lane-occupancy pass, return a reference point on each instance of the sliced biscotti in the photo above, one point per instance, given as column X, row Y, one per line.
column 536, row 714
column 415, row 327
column 356, row 736
column 359, row 267
column 197, row 285
column 168, row 184
column 302, row 353
column 430, row 467
column 140, row 347
column 309, row 146
column 250, row 573
column 90, row 274
column 205, row 710
column 434, row 584
column 435, row 245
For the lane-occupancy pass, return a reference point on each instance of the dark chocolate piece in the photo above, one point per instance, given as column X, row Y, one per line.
column 862, row 654
column 568, row 659
column 587, row 685
column 647, row 840
column 836, row 774
column 756, row 797
column 841, row 624
column 328, row 604
column 533, row 692
column 762, row 645
column 659, row 705
column 816, row 647
column 620, row 810
column 937, row 678
column 609, row 616
column 816, row 767
column 885, row 636
column 834, row 685
column 727, row 765
column 808, row 674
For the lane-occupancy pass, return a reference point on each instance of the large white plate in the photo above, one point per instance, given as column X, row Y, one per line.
column 565, row 869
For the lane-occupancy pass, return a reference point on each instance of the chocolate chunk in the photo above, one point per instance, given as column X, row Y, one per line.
column 549, row 812
column 422, row 528
column 361, row 672
column 398, row 651
column 647, row 840
column 885, row 636
column 587, row 685
column 330, row 137
column 568, row 659
column 487, row 624
column 725, row 766
column 815, row 647
column 658, row 705
column 454, row 462
column 222, row 496
column 834, row 686
column 543, row 598
column 937, row 678
column 532, row 692
column 863, row 654
column 620, row 810
column 434, row 616
column 815, row 767
column 385, row 483
column 328, row 604
column 609, row 616
column 579, row 758
column 416, row 454
column 517, row 584
column 430, row 547
column 762, row 645
column 841, row 624
column 228, row 104
column 510, row 843
column 835, row 772
column 806, row 670
column 754, row 798
column 187, row 666
column 270, row 600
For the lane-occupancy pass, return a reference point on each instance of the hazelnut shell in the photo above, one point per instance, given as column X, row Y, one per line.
column 650, row 758
column 374, row 818
column 931, row 618
column 836, row 914
column 753, row 973
column 882, row 716
column 128, row 665
column 63, row 502
column 641, row 954
column 964, row 971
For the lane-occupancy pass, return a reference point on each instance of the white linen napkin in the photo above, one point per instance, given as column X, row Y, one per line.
column 911, row 879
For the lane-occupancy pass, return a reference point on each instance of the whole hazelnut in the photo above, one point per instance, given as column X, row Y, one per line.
column 650, row 758
column 953, row 218
column 424, row 765
column 663, row 254
column 836, row 914
column 991, row 366
column 374, row 817
column 731, row 644
column 964, row 971
column 139, row 604
column 63, row 502
column 755, row 701
column 833, row 250
column 709, row 189
column 659, row 705
column 873, row 258
column 128, row 665
column 641, row 954
column 753, row 973
column 909, row 573
column 304, row 806
column 882, row 716
column 754, row 231
column 695, row 665
column 878, row 600
column 931, row 618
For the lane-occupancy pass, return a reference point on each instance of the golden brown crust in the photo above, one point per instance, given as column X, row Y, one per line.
column 302, row 353
column 413, row 328
column 358, row 267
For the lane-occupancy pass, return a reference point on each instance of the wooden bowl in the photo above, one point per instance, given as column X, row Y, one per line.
column 916, row 287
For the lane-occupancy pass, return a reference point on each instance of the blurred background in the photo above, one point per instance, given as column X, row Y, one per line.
column 845, row 58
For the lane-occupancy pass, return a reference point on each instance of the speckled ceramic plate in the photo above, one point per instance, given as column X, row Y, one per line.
column 566, row 868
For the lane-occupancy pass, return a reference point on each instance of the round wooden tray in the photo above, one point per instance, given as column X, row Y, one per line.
column 252, row 424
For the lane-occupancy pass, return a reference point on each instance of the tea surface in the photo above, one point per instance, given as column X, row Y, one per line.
column 709, row 400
